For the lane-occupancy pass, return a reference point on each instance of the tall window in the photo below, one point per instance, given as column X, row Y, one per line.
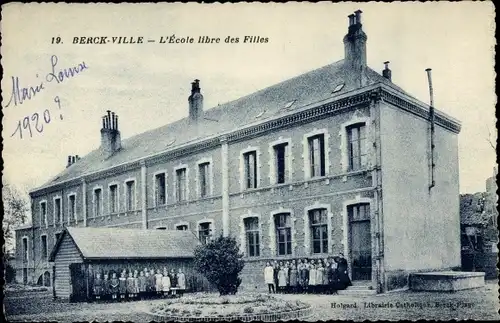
column 25, row 249
column 250, row 160
column 72, row 208
column 43, row 213
column 57, row 210
column 130, row 195
column 44, row 246
column 283, row 226
column 317, row 155
column 97, row 202
column 205, row 232
column 181, row 227
column 181, row 184
column 113, row 198
column 204, row 179
column 356, row 138
column 160, row 189
column 318, row 220
column 57, row 235
column 252, row 236
column 280, row 152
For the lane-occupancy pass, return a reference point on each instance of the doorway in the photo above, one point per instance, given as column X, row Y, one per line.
column 78, row 282
column 360, row 241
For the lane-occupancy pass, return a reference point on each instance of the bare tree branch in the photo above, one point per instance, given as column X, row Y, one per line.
column 489, row 139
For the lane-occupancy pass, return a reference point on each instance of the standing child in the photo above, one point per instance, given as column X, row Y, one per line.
column 312, row 278
column 136, row 284
column 130, row 286
column 275, row 273
column 173, row 282
column 152, row 283
column 105, row 288
column 293, row 278
column 287, row 275
column 269, row 277
column 181, row 281
column 122, row 286
column 142, row 285
column 304, row 276
column 282, row 278
column 165, row 282
column 158, row 282
column 325, row 278
column 114, row 287
column 97, row 287
column 320, row 271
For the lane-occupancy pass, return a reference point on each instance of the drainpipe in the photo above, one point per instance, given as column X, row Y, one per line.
column 379, row 279
column 225, row 186
column 431, row 131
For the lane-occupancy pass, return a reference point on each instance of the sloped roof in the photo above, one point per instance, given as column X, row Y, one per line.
column 471, row 212
column 305, row 89
column 117, row 243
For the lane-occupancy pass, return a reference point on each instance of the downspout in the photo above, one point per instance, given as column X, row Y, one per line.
column 431, row 131
column 33, row 275
column 377, row 185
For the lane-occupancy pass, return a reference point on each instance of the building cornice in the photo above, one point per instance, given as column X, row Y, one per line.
column 305, row 114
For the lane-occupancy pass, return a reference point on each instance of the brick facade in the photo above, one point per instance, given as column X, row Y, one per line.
column 317, row 175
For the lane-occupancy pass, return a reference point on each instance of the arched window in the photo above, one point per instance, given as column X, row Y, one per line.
column 318, row 222
column 252, row 236
column 283, row 225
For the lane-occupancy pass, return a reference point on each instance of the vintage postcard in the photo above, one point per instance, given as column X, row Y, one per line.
column 249, row 161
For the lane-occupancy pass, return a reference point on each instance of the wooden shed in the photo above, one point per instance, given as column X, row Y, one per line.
column 79, row 253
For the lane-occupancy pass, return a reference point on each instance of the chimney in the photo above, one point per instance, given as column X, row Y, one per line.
column 195, row 102
column 355, row 49
column 387, row 72
column 72, row 160
column 110, row 135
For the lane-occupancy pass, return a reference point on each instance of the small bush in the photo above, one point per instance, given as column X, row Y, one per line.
column 220, row 261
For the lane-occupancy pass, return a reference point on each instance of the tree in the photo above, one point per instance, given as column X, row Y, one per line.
column 220, row 261
column 15, row 211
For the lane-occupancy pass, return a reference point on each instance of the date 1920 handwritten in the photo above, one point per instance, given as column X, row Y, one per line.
column 34, row 120
column 20, row 94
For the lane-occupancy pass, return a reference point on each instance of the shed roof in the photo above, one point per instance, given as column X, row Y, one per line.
column 117, row 243
column 314, row 86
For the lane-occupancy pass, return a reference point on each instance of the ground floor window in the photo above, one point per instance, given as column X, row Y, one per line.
column 252, row 236
column 283, row 225
column 25, row 276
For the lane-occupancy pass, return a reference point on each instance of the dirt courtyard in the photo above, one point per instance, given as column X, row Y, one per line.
column 475, row 304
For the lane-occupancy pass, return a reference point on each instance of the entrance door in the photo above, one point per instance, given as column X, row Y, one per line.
column 360, row 241
column 78, row 282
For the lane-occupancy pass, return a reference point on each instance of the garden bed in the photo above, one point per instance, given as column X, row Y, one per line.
column 246, row 307
column 24, row 288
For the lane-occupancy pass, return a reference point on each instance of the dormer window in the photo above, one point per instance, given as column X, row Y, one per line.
column 338, row 87
column 289, row 104
column 260, row 114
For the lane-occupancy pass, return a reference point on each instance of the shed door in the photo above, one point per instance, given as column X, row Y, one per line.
column 78, row 282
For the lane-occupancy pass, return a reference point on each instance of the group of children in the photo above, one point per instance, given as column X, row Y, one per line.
column 322, row 276
column 132, row 285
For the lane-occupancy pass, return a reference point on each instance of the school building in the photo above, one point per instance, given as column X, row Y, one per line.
column 339, row 159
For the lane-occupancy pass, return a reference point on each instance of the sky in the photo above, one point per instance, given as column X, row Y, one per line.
column 148, row 84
